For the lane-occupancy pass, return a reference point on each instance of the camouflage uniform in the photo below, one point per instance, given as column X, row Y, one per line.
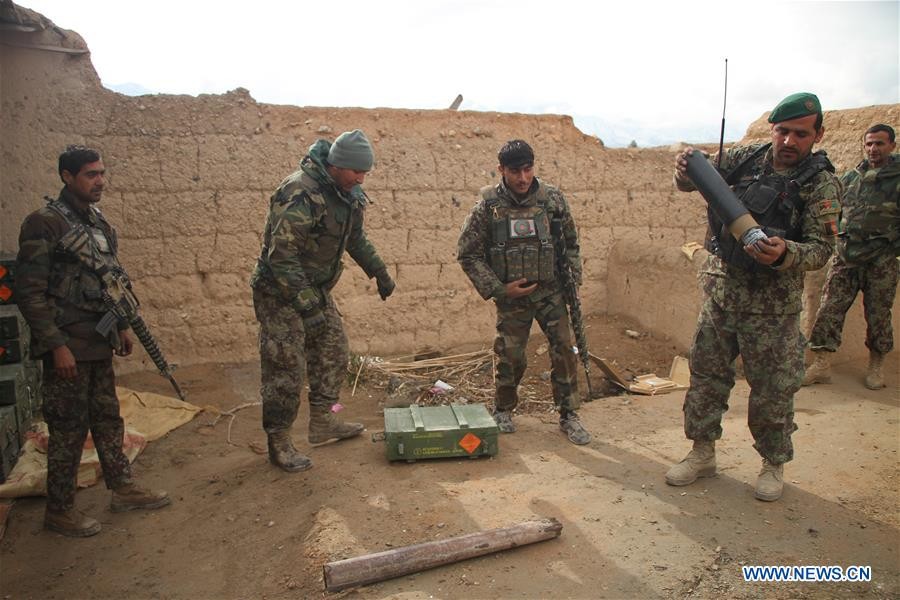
column 60, row 299
column 756, row 313
column 310, row 225
column 865, row 260
column 489, row 267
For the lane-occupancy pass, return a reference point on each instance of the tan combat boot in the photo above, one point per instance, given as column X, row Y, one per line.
column 770, row 482
column 71, row 523
column 700, row 462
column 325, row 426
column 133, row 497
column 820, row 369
column 283, row 454
column 874, row 378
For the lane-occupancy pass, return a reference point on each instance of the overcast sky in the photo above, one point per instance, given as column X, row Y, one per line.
column 652, row 71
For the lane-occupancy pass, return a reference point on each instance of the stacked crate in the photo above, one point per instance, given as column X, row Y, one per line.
column 20, row 377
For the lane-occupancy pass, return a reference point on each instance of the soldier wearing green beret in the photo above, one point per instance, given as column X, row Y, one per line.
column 753, row 294
column 865, row 260
column 314, row 216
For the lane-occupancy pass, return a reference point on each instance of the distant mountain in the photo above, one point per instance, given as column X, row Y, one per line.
column 129, row 89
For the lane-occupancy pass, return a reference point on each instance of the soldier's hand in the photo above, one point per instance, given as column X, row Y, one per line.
column 314, row 323
column 64, row 363
column 681, row 164
column 519, row 288
column 768, row 251
column 385, row 284
column 126, row 345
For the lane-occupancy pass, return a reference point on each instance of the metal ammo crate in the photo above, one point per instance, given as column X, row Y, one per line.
column 420, row 432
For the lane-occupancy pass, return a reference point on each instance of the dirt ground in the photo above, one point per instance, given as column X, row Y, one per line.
column 240, row 528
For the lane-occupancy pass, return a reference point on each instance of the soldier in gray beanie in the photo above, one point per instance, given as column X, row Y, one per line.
column 315, row 216
column 352, row 150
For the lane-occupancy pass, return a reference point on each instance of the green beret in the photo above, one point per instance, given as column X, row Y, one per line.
column 795, row 106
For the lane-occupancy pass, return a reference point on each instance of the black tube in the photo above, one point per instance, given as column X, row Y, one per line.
column 713, row 188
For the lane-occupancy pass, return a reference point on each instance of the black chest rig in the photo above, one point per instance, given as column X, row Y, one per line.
column 70, row 279
column 521, row 244
column 773, row 200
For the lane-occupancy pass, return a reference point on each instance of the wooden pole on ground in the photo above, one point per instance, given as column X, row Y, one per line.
column 371, row 568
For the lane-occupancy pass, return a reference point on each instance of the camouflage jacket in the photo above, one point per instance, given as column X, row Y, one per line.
column 310, row 225
column 778, row 290
column 58, row 296
column 870, row 215
column 475, row 239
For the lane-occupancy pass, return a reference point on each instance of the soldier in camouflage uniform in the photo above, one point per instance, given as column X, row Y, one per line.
column 865, row 260
column 314, row 216
column 60, row 298
column 506, row 249
column 752, row 294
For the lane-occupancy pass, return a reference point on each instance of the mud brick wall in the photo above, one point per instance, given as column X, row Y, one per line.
column 189, row 180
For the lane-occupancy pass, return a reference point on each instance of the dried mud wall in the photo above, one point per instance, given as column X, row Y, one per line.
column 189, row 180
column 190, row 177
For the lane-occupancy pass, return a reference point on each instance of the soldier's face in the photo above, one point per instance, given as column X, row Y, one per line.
column 88, row 184
column 878, row 148
column 518, row 179
column 346, row 179
column 792, row 141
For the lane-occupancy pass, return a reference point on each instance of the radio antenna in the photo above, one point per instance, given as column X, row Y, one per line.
column 722, row 131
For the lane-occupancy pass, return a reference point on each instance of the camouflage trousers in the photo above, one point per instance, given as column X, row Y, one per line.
column 514, row 321
column 71, row 408
column 286, row 355
column 878, row 283
column 772, row 350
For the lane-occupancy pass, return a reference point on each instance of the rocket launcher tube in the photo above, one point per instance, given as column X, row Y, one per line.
column 722, row 201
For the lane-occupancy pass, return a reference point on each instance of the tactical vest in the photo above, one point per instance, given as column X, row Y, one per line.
column 870, row 213
column 70, row 281
column 521, row 244
column 773, row 200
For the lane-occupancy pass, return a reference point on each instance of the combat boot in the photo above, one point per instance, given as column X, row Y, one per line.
column 820, row 369
column 283, row 454
column 874, row 378
column 71, row 523
column 770, row 482
column 133, row 497
column 325, row 426
column 700, row 462
column 504, row 421
column 570, row 424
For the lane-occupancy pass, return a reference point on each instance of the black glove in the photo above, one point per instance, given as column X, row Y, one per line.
column 314, row 322
column 385, row 284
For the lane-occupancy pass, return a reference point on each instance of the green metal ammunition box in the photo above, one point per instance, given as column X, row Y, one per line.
column 14, row 335
column 10, row 352
column 7, row 278
column 420, row 432
column 12, row 384
column 9, row 324
column 9, row 441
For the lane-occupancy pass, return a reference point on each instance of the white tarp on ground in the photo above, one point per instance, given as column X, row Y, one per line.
column 147, row 417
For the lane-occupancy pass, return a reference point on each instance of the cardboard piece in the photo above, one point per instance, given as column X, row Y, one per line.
column 649, row 384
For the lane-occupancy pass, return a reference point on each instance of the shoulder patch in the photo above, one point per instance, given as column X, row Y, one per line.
column 829, row 207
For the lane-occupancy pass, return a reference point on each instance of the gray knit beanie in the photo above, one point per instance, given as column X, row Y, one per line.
column 352, row 150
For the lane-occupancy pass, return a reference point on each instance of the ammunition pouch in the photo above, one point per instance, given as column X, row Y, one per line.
column 521, row 243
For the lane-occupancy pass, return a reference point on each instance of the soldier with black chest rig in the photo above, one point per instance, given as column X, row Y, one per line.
column 506, row 248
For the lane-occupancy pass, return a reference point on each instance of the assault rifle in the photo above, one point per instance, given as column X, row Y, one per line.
column 120, row 301
column 570, row 294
